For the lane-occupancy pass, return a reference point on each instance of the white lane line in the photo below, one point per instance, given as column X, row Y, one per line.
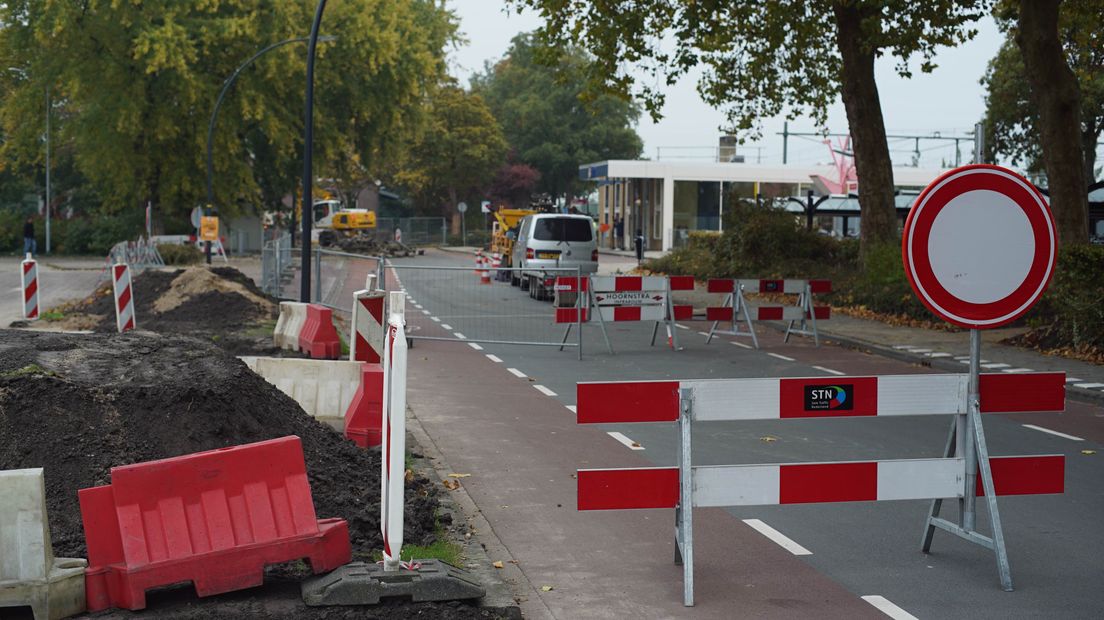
column 995, row 366
column 1017, row 370
column 829, row 370
column 1055, row 433
column 681, row 326
column 630, row 444
column 425, row 312
column 459, row 335
column 967, row 361
column 572, row 408
column 885, row 606
column 740, row 344
column 1089, row 386
column 475, row 346
column 939, row 354
column 435, row 319
column 778, row 537
column 543, row 390
column 494, row 358
column 446, row 326
column 704, row 333
column 919, row 351
column 418, row 306
column 902, row 346
column 781, row 357
column 1073, row 380
column 517, row 373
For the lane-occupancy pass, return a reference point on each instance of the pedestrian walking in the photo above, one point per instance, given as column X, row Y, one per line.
column 30, row 246
column 618, row 232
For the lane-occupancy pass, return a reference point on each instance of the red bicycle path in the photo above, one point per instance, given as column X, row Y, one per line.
column 522, row 448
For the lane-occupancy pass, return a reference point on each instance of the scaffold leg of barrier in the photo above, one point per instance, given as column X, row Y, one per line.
column 739, row 305
column 684, row 512
column 593, row 310
column 807, row 325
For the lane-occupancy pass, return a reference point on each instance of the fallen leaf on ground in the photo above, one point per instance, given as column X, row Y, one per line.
column 1088, row 452
column 409, row 475
column 546, row 588
column 635, row 444
column 498, row 564
column 768, row 438
column 459, row 475
column 451, row 485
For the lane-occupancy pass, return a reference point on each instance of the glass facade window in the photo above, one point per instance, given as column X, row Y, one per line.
column 697, row 207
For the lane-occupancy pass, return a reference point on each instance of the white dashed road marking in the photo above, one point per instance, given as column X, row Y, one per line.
column 446, row 326
column 778, row 537
column 494, row 358
column 517, row 373
column 828, row 370
column 1055, row 433
column 630, row 444
column 572, row 408
column 543, row 390
column 459, row 335
column 781, row 357
column 888, row 608
column 475, row 346
column 746, row 346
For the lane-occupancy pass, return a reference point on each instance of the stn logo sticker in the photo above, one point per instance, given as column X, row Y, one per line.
column 822, row 397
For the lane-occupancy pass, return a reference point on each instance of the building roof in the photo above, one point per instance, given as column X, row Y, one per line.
column 734, row 172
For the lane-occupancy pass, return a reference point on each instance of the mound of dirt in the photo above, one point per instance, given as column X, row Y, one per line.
column 372, row 247
column 77, row 405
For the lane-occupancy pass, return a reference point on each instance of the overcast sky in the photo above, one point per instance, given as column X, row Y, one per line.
column 949, row 100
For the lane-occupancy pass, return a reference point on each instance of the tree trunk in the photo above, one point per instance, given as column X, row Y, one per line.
column 1089, row 135
column 453, row 214
column 868, row 136
column 1058, row 99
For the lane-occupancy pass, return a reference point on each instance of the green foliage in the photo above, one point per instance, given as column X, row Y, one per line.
column 179, row 254
column 882, row 286
column 460, row 149
column 542, row 112
column 133, row 84
column 1011, row 117
column 1070, row 313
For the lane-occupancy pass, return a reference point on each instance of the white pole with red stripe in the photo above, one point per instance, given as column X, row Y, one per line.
column 124, row 297
column 367, row 326
column 393, row 448
column 29, row 286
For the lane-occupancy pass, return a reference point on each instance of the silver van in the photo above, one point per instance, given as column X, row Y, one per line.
column 550, row 240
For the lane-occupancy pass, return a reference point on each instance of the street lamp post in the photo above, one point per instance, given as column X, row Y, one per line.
column 308, row 144
column 214, row 117
column 47, row 169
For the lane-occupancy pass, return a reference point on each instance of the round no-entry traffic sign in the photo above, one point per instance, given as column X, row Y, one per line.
column 979, row 246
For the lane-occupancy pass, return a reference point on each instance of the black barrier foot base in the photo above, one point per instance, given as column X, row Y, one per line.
column 360, row 583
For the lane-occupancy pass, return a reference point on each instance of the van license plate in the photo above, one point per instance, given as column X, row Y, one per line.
column 547, row 254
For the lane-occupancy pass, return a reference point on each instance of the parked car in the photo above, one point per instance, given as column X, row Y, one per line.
column 548, row 241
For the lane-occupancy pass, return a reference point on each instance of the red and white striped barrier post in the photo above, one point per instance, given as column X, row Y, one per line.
column 392, row 463
column 735, row 309
column 688, row 402
column 124, row 297
column 29, row 287
column 366, row 339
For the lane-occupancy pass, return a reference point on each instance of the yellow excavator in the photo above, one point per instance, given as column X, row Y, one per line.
column 504, row 231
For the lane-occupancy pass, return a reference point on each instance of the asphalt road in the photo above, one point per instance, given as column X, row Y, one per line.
column 60, row 280
column 1054, row 542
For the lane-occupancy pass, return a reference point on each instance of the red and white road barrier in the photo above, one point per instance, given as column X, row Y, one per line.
column 29, row 287
column 366, row 341
column 687, row 402
column 735, row 309
column 392, row 462
column 612, row 299
column 124, row 297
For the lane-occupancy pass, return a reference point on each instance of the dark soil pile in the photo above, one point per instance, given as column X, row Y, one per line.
column 372, row 247
column 78, row 405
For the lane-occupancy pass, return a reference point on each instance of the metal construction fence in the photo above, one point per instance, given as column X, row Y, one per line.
column 139, row 254
column 470, row 305
column 335, row 276
column 415, row 230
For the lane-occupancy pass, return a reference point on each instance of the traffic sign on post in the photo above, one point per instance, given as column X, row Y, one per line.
column 979, row 246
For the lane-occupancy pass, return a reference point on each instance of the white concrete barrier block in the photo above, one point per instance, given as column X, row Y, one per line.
column 279, row 335
column 323, row 388
column 296, row 318
column 30, row 575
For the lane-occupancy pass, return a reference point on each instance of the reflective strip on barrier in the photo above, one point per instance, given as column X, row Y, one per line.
column 29, row 288
column 393, row 449
column 367, row 337
column 806, row 483
column 787, row 313
column 817, row 397
column 790, row 287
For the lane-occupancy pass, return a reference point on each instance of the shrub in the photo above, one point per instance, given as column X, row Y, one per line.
column 1071, row 312
column 179, row 254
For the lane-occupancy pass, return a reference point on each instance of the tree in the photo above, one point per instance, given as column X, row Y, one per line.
column 135, row 84
column 1074, row 77
column 543, row 116
column 458, row 151
column 763, row 58
column 514, row 184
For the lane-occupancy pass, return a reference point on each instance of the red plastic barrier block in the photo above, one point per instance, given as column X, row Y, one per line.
column 617, row 489
column 570, row 315
column 213, row 518
column 364, row 419
column 319, row 337
column 720, row 286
